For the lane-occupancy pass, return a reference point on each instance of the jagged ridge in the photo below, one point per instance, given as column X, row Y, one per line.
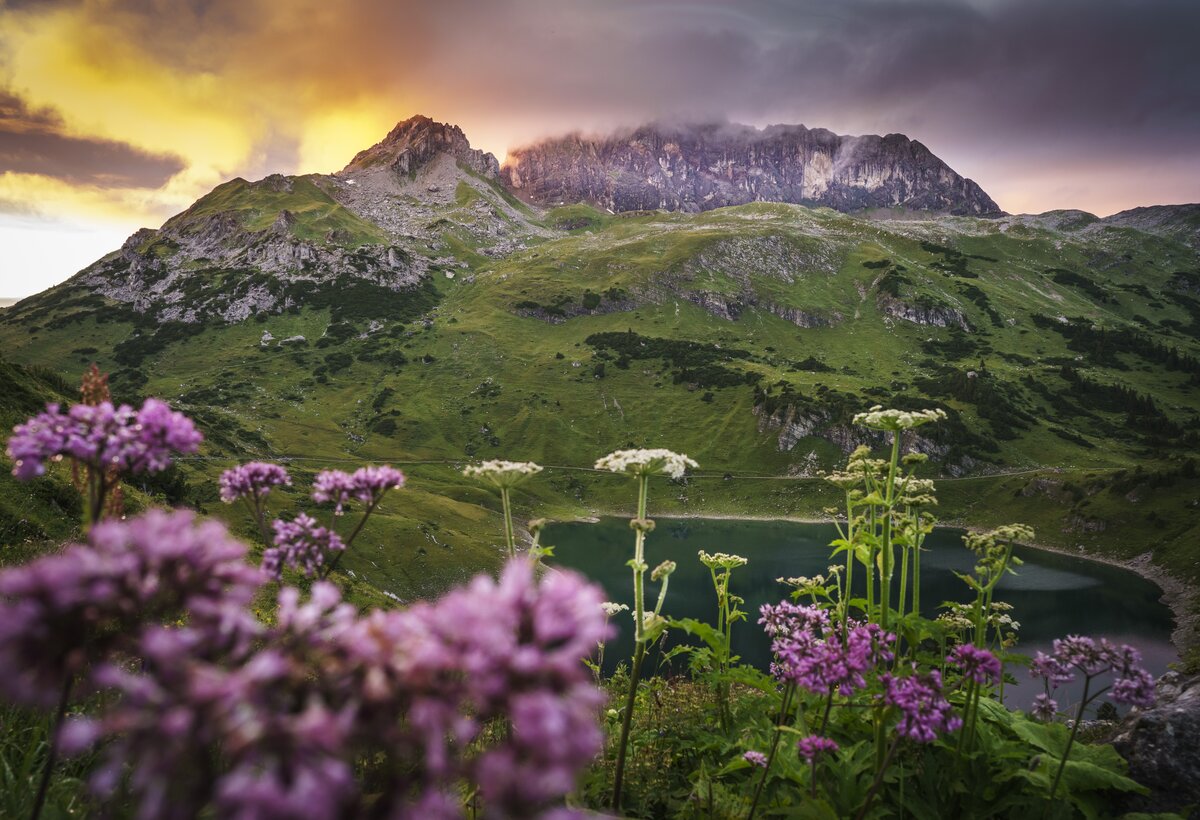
column 698, row 168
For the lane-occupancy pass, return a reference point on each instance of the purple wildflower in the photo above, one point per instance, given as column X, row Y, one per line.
column 924, row 711
column 335, row 486
column 813, row 746
column 1075, row 654
column 811, row 655
column 756, row 758
column 300, row 544
column 102, row 437
column 787, row 618
column 366, row 484
column 1044, row 708
column 287, row 715
column 252, row 480
column 161, row 431
column 1135, row 689
column 62, row 612
column 372, row 482
column 976, row 664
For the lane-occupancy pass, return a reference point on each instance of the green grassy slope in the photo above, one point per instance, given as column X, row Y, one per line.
column 1080, row 354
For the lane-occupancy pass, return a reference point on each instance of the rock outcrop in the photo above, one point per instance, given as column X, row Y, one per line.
column 697, row 168
column 1162, row 746
column 416, row 141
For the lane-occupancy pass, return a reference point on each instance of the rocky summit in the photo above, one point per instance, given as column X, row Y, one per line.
column 418, row 140
column 698, row 168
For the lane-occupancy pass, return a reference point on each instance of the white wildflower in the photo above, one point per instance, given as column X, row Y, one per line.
column 803, row 582
column 503, row 474
column 646, row 462
column 722, row 560
column 611, row 609
column 879, row 419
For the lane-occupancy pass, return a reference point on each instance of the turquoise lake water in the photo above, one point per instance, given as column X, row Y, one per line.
column 1053, row 595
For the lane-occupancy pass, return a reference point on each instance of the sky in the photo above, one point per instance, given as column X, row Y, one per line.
column 115, row 114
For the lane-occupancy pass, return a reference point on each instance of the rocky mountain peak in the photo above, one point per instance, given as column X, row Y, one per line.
column 415, row 142
column 710, row 165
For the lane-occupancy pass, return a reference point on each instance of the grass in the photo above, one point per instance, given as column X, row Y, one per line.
column 258, row 205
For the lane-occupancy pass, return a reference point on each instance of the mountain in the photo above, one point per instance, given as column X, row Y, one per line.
column 701, row 167
column 375, row 228
column 410, row 309
column 1180, row 222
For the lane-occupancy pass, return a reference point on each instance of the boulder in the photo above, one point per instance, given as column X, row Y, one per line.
column 1162, row 746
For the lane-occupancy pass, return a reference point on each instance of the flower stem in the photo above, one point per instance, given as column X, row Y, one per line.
column 783, row 716
column 332, row 565
column 889, row 499
column 1087, row 682
column 878, row 779
column 509, row 537
column 626, row 720
column 639, row 652
column 52, row 753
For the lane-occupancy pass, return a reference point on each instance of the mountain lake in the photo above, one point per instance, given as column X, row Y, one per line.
column 1052, row 594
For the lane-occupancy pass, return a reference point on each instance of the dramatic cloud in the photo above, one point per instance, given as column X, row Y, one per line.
column 1069, row 103
column 32, row 142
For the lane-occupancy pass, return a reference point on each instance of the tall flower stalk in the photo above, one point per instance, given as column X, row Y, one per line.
column 504, row 476
column 251, row 483
column 103, row 443
column 720, row 568
column 882, row 498
column 640, row 465
column 1075, row 655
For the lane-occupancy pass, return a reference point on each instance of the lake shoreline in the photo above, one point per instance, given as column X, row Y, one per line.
column 1177, row 595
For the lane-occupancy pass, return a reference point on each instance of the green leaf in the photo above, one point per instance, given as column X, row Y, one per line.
column 1049, row 737
column 1080, row 775
column 703, row 631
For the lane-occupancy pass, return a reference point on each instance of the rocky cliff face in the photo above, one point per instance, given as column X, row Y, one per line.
column 698, row 168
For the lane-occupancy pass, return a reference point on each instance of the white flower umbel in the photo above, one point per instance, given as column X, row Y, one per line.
column 722, row 560
column 893, row 420
column 646, row 463
column 504, row 475
column 611, row 609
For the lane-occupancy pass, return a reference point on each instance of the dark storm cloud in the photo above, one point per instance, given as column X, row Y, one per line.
column 1102, row 71
column 32, row 141
column 1091, row 103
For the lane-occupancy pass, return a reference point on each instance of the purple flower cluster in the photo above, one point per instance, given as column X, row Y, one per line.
column 508, row 648
column 755, row 758
column 256, row 709
column 813, row 746
column 1075, row 655
column 924, row 711
column 1044, row 708
column 366, row 484
column 252, row 480
column 103, row 437
column 814, row 657
column 300, row 544
column 975, row 664
column 65, row 611
column 219, row 713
